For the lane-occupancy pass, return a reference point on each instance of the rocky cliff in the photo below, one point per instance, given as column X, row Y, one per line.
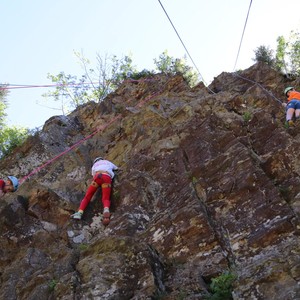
column 209, row 185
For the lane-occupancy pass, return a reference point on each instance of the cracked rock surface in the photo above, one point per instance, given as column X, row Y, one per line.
column 209, row 183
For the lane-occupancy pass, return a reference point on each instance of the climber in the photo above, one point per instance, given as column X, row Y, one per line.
column 102, row 172
column 292, row 106
column 8, row 186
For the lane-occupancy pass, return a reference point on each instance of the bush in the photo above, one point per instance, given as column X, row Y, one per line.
column 264, row 54
column 221, row 287
column 10, row 138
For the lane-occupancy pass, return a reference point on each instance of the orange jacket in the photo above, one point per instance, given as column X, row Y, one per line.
column 293, row 95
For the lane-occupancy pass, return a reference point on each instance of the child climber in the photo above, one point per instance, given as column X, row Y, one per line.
column 8, row 186
column 102, row 172
column 293, row 105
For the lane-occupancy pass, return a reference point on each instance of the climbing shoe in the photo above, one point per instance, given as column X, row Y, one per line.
column 76, row 216
column 291, row 123
column 106, row 218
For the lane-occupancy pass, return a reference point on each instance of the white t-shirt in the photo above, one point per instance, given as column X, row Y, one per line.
column 104, row 165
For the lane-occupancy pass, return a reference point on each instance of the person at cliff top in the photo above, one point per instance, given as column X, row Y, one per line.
column 293, row 105
column 8, row 186
column 102, row 172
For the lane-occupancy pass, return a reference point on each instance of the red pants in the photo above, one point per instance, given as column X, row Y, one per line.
column 102, row 180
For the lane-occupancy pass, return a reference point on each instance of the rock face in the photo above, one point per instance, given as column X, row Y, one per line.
column 209, row 183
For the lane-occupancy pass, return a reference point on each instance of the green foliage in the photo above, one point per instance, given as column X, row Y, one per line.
column 247, row 116
column 94, row 85
column 159, row 295
column 121, row 70
column 287, row 58
column 10, row 138
column 83, row 247
column 176, row 66
column 165, row 64
column 52, row 284
column 286, row 125
column 293, row 51
column 194, row 180
column 264, row 54
column 116, row 195
column 285, row 192
column 142, row 74
column 3, row 104
column 280, row 54
column 70, row 90
column 221, row 287
column 3, row 91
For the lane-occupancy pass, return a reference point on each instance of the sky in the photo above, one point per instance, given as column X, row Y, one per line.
column 40, row 37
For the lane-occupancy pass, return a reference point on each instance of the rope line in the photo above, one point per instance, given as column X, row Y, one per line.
column 27, row 86
column 68, row 150
column 187, row 51
column 242, row 35
column 101, row 128
column 138, row 105
column 255, row 82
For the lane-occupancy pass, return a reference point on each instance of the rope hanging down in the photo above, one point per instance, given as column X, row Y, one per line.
column 242, row 35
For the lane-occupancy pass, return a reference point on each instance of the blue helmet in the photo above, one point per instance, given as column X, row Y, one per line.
column 15, row 182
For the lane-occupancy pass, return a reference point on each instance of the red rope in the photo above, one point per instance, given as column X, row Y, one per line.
column 23, row 86
column 68, row 150
column 28, row 86
column 142, row 102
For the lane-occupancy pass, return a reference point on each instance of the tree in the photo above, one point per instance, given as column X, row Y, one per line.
column 69, row 90
column 293, row 51
column 10, row 136
column 94, row 84
column 288, row 54
column 173, row 66
column 3, row 104
column 109, row 74
column 280, row 55
column 287, row 58
column 264, row 54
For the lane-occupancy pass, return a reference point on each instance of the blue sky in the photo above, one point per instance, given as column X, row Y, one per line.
column 40, row 37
